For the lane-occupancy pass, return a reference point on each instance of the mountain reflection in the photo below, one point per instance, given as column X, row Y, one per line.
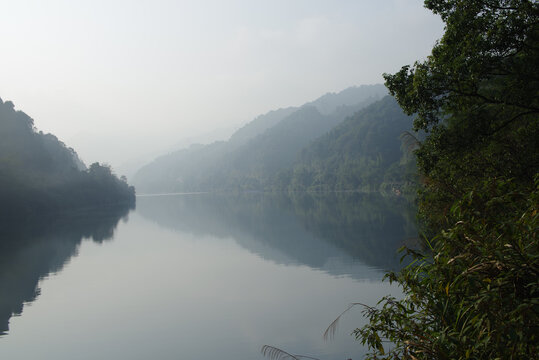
column 340, row 233
column 34, row 248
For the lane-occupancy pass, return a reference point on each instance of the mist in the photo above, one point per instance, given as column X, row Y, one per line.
column 221, row 179
column 125, row 81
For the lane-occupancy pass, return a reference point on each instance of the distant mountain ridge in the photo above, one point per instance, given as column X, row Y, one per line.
column 330, row 102
column 326, row 104
column 257, row 151
column 260, row 124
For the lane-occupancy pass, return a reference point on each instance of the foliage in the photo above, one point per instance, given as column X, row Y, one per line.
column 478, row 295
column 362, row 153
column 474, row 292
column 478, row 96
column 274, row 353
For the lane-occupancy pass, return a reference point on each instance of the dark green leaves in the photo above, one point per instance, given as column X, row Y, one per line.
column 474, row 293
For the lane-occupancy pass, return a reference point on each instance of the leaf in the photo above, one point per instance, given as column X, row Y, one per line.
column 275, row 353
column 379, row 345
column 332, row 328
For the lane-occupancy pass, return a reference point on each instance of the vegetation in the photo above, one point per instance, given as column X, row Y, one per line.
column 473, row 292
column 257, row 155
column 326, row 145
column 39, row 173
column 362, row 153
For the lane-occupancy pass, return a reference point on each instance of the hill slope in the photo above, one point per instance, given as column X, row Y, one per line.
column 361, row 153
column 258, row 151
column 39, row 173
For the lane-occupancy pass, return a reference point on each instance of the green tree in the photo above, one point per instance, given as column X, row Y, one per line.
column 477, row 95
column 473, row 293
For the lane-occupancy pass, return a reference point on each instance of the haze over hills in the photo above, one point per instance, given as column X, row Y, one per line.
column 258, row 151
column 126, row 160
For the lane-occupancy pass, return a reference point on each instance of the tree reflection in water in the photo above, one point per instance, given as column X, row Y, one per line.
column 32, row 249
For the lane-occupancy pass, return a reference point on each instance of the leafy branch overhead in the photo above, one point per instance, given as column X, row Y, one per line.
column 486, row 60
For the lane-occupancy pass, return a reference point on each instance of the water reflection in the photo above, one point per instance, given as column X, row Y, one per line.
column 340, row 233
column 33, row 249
column 210, row 275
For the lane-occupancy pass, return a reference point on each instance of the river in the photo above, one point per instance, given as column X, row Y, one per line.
column 200, row 276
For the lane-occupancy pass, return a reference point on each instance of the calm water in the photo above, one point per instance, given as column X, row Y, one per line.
column 197, row 277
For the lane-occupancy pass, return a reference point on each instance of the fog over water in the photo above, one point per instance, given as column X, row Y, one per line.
column 124, row 81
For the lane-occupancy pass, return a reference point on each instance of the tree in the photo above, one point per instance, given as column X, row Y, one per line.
column 473, row 292
column 477, row 95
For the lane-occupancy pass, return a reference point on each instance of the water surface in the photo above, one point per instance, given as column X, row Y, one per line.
column 198, row 276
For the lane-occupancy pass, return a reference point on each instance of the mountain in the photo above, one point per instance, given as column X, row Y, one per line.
column 330, row 102
column 256, row 153
column 38, row 173
column 363, row 152
column 260, row 124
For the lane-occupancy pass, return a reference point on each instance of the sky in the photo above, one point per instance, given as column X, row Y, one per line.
column 124, row 81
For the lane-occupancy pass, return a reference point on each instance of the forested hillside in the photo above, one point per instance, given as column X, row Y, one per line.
column 39, row 173
column 364, row 152
column 256, row 153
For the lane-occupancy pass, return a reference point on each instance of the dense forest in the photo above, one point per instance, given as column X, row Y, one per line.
column 39, row 173
column 364, row 152
column 473, row 292
column 275, row 150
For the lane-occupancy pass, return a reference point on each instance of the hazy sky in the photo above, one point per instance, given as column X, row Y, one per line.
column 116, row 79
